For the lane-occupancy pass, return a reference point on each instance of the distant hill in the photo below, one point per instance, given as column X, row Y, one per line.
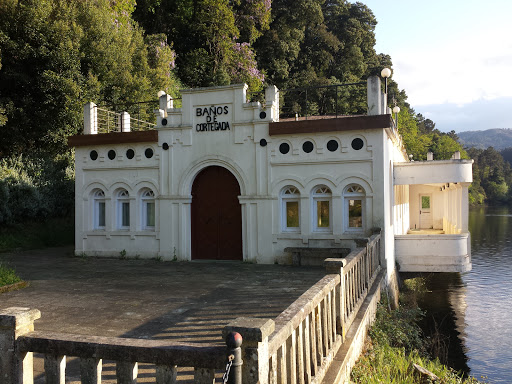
column 499, row 138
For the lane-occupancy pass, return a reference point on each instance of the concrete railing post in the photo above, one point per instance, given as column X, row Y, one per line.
column 255, row 352
column 335, row 266
column 90, row 119
column 165, row 102
column 374, row 96
column 272, row 102
column 14, row 322
column 124, row 122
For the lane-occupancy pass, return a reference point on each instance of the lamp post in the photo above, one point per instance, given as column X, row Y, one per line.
column 385, row 73
column 396, row 110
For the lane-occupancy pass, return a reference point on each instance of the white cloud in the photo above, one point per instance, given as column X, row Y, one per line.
column 460, row 69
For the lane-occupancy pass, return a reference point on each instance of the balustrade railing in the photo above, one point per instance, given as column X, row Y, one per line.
column 296, row 347
column 110, row 121
column 19, row 341
column 306, row 336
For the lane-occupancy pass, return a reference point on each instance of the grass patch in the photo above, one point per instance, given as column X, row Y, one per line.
column 395, row 342
column 8, row 276
column 33, row 235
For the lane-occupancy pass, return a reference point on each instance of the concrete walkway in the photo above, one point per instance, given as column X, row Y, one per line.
column 185, row 301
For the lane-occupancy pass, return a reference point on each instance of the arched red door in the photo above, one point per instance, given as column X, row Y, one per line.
column 216, row 216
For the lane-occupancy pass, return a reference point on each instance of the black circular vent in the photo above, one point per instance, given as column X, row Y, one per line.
column 308, row 146
column 332, row 145
column 357, row 144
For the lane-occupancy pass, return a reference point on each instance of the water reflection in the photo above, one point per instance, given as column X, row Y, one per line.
column 474, row 308
column 489, row 295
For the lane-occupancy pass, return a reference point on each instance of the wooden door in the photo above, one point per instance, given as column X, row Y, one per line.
column 425, row 212
column 216, row 216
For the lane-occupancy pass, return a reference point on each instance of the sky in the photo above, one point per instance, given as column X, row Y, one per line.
column 453, row 58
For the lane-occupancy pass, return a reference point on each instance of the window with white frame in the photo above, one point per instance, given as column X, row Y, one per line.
column 290, row 209
column 148, row 209
column 99, row 209
column 322, row 201
column 123, row 209
column 354, row 196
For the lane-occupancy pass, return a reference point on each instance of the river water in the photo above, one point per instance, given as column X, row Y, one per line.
column 474, row 309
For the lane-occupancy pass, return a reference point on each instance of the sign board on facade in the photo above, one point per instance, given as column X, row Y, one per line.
column 211, row 116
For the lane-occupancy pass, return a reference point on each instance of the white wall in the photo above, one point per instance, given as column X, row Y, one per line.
column 261, row 171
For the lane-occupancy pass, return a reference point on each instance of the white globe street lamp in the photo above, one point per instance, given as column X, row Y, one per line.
column 396, row 110
column 385, row 73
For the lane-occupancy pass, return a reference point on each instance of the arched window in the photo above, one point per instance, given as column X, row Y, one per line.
column 99, row 209
column 148, row 209
column 354, row 196
column 290, row 209
column 123, row 209
column 322, row 200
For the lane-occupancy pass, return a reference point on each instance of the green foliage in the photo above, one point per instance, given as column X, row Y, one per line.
column 57, row 55
column 8, row 276
column 492, row 177
column 420, row 137
column 386, row 364
column 211, row 37
column 398, row 328
column 53, row 232
column 34, row 189
column 395, row 344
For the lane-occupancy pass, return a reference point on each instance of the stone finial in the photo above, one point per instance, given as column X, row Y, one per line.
column 272, row 101
column 90, row 119
column 165, row 102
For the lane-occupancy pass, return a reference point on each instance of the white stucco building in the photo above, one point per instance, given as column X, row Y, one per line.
column 221, row 178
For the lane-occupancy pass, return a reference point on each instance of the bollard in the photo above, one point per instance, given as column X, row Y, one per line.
column 255, row 333
column 234, row 341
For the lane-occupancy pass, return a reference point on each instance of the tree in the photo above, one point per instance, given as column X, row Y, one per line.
column 57, row 55
column 492, row 177
column 425, row 126
column 210, row 47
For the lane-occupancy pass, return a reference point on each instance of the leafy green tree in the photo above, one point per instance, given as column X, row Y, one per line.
column 425, row 126
column 209, row 37
column 252, row 18
column 57, row 55
column 443, row 146
column 416, row 144
column 492, row 177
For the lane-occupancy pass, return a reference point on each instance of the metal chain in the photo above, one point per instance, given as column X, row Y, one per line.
column 225, row 376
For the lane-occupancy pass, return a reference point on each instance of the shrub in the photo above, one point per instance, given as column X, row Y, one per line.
column 35, row 189
column 7, row 276
column 398, row 328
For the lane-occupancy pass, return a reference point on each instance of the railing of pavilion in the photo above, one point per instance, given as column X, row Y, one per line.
column 297, row 347
column 310, row 331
